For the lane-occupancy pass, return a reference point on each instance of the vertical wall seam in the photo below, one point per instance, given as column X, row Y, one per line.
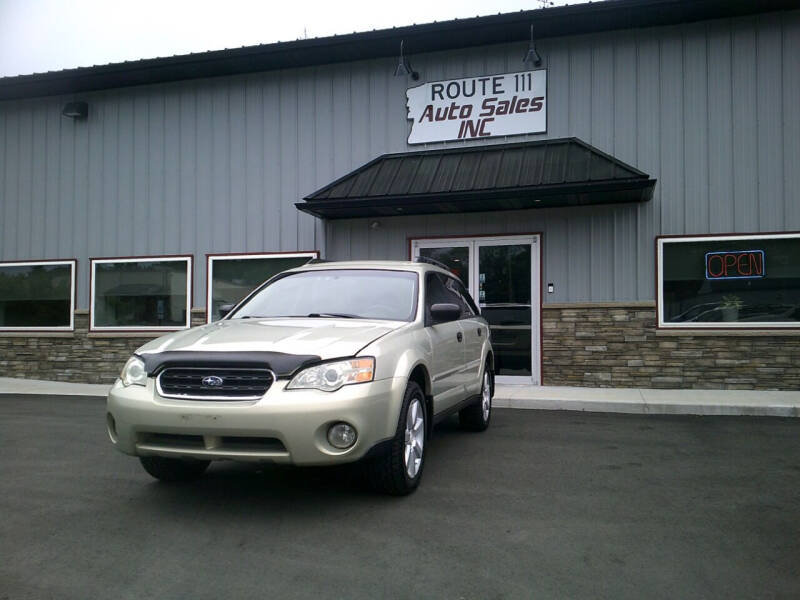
column 732, row 153
column 25, row 234
column 179, row 171
column 195, row 174
column 756, row 35
column 708, row 131
column 59, row 204
column 44, row 174
column 684, row 224
column 279, row 87
column 228, row 246
column 660, row 78
column 784, row 187
column 163, row 200
column 4, row 201
column 148, row 201
column 298, row 141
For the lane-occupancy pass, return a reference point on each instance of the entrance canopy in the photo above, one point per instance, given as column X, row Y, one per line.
column 546, row 173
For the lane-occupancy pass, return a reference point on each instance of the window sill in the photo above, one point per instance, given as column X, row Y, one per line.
column 37, row 334
column 633, row 304
column 691, row 332
column 129, row 334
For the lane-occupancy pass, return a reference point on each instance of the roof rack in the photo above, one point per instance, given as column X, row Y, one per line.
column 316, row 261
column 434, row 262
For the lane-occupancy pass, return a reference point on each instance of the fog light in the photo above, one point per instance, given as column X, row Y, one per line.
column 341, row 435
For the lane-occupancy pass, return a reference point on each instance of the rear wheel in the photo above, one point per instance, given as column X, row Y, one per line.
column 476, row 416
column 399, row 470
column 173, row 469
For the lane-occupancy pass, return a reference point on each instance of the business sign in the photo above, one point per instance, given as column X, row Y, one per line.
column 478, row 107
column 736, row 264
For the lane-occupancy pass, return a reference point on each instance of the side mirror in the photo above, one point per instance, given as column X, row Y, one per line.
column 225, row 309
column 443, row 313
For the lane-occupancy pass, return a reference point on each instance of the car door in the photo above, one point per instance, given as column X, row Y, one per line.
column 476, row 332
column 447, row 347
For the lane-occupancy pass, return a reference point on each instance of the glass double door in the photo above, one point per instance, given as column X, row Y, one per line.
column 502, row 275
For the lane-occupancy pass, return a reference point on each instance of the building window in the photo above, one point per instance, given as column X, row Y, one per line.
column 37, row 296
column 729, row 281
column 232, row 276
column 142, row 293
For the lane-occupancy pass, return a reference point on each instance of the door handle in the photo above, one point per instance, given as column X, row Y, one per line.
column 480, row 332
column 459, row 336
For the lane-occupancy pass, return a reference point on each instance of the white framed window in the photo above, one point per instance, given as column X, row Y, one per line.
column 230, row 277
column 141, row 293
column 736, row 281
column 37, row 295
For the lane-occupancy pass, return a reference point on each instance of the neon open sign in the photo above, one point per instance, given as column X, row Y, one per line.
column 736, row 264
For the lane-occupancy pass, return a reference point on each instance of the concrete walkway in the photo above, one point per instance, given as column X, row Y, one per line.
column 51, row 388
column 647, row 401
column 613, row 400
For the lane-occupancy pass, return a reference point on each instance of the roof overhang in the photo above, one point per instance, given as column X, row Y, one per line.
column 538, row 174
column 577, row 19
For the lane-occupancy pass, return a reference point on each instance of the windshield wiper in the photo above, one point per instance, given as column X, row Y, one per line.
column 333, row 315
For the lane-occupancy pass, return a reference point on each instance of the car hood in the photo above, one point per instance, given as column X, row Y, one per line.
column 324, row 337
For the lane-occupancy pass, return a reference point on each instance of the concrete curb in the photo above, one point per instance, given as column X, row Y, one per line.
column 647, row 401
column 11, row 386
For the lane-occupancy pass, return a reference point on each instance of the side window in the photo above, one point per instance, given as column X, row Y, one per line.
column 439, row 292
column 472, row 309
column 445, row 289
column 452, row 286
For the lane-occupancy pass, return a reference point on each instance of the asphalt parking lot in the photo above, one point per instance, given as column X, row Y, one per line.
column 543, row 505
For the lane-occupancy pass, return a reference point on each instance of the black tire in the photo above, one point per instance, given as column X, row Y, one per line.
column 475, row 417
column 173, row 469
column 387, row 472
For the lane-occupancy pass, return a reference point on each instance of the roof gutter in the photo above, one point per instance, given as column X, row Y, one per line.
column 432, row 37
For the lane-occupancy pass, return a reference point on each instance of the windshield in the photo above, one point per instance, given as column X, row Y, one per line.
column 348, row 293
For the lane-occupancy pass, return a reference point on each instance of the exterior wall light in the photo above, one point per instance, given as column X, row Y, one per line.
column 75, row 110
column 532, row 58
column 404, row 68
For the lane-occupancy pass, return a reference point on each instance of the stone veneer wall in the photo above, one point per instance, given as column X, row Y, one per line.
column 616, row 345
column 586, row 345
column 78, row 357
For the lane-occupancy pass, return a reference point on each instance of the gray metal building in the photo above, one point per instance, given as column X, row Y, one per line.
column 210, row 153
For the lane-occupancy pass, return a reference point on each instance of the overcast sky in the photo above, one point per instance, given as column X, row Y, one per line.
column 48, row 35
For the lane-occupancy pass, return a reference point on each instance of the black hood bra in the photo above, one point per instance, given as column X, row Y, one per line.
column 283, row 365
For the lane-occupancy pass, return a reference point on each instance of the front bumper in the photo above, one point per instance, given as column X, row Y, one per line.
column 283, row 426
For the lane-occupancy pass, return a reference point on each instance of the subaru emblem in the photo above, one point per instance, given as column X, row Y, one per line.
column 212, row 381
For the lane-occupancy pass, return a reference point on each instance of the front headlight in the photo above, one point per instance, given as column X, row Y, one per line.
column 329, row 377
column 133, row 373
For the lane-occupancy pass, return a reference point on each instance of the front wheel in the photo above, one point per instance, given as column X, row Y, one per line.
column 476, row 416
column 173, row 469
column 399, row 470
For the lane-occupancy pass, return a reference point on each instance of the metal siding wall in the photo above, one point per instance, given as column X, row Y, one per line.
column 769, row 99
column 671, row 101
column 710, row 109
column 791, row 122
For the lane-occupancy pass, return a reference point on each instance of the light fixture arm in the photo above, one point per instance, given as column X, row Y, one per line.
column 532, row 57
column 404, row 66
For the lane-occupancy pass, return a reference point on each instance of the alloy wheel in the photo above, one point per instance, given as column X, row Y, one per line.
column 486, row 396
column 414, row 439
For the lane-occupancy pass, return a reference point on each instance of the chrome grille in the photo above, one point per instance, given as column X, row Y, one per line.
column 214, row 383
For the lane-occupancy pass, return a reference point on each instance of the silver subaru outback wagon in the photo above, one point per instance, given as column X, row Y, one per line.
column 323, row 364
